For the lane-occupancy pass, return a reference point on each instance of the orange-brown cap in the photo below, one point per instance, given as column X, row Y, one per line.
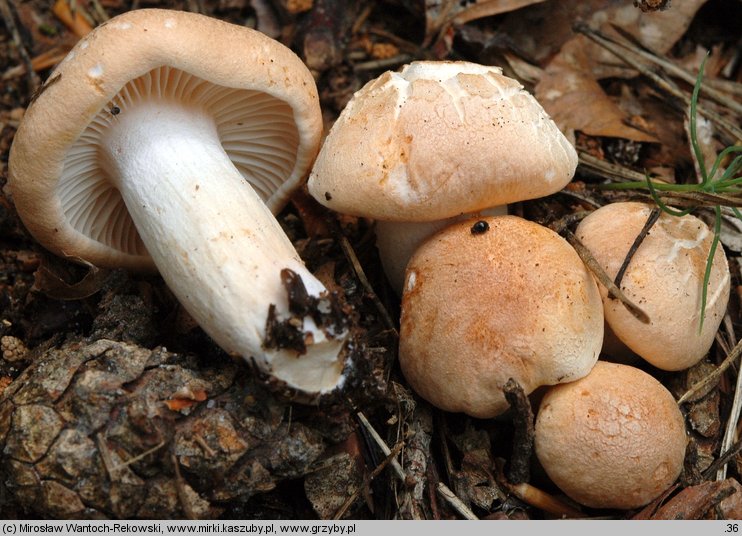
column 262, row 98
column 664, row 278
column 492, row 299
column 436, row 140
column 613, row 439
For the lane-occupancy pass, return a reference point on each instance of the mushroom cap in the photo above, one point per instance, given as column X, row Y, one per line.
column 479, row 308
column 664, row 278
column 436, row 140
column 263, row 99
column 613, row 439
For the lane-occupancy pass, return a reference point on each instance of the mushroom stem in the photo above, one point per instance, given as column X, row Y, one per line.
column 216, row 244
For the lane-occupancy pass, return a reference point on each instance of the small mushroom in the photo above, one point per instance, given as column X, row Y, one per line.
column 492, row 299
column 664, row 277
column 613, row 439
column 165, row 139
column 418, row 149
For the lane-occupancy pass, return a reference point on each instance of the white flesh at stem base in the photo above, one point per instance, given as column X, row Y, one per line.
column 215, row 243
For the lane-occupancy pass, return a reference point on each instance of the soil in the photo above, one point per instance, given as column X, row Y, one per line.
column 114, row 403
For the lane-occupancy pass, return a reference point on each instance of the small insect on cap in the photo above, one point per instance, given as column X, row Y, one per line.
column 439, row 139
column 490, row 299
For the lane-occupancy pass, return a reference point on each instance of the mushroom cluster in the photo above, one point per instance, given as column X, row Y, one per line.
column 492, row 298
column 170, row 153
column 168, row 139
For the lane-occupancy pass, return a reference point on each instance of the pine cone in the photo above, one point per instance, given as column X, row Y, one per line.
column 107, row 429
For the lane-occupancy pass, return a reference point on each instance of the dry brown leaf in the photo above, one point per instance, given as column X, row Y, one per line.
column 488, row 8
column 569, row 90
column 693, row 502
column 75, row 21
column 541, row 30
column 441, row 13
column 179, row 403
column 731, row 507
column 51, row 283
column 575, row 100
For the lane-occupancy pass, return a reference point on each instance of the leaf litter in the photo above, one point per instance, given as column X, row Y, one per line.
column 125, row 428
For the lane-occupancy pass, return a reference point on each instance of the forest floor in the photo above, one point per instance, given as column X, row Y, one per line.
column 114, row 404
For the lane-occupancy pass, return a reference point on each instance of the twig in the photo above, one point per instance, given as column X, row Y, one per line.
column 726, row 443
column 543, row 501
column 713, row 377
column 182, row 496
column 382, row 64
column 722, row 461
column 201, row 442
column 366, row 481
column 100, row 10
column 350, row 254
column 709, row 89
column 609, row 171
column 518, row 470
column 732, row 130
column 139, row 456
column 651, row 220
column 75, row 20
column 457, row 504
column 602, row 277
column 33, row 79
column 398, row 471
column 38, row 63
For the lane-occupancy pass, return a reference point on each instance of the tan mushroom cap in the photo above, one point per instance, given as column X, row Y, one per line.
column 437, row 140
column 263, row 99
column 664, row 278
column 478, row 308
column 613, row 439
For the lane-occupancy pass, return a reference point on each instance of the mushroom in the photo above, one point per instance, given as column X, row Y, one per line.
column 168, row 139
column 664, row 277
column 437, row 140
column 613, row 439
column 492, row 299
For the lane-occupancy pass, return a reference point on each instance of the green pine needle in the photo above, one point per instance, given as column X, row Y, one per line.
column 729, row 183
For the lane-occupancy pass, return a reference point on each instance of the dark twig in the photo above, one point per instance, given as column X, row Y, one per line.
column 602, row 277
column 398, row 471
column 9, row 20
column 722, row 460
column 366, row 481
column 608, row 170
column 651, row 220
column 350, row 254
column 518, row 469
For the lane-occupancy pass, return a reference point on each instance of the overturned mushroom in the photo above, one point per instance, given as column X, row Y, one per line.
column 166, row 139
